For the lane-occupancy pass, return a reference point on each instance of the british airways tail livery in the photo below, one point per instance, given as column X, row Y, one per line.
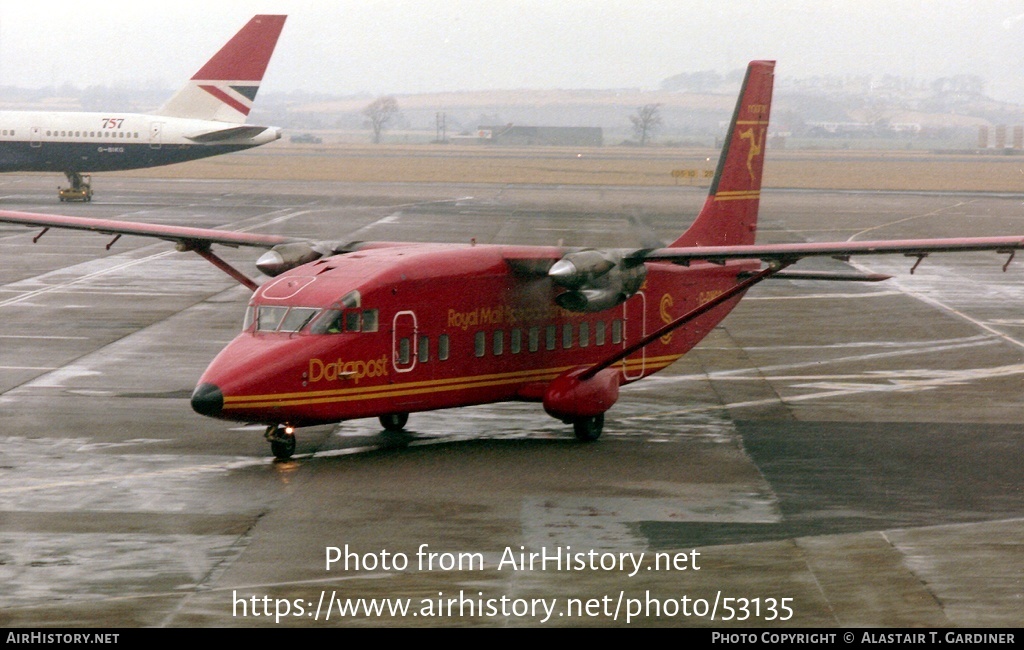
column 205, row 118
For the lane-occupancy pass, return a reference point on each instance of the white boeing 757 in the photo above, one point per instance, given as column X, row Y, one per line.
column 205, row 118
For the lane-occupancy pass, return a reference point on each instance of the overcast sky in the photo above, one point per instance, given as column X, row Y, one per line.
column 412, row 46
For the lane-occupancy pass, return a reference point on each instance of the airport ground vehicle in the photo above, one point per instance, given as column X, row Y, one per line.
column 79, row 190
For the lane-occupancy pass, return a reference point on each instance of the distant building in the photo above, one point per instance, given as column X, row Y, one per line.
column 1002, row 138
column 557, row 136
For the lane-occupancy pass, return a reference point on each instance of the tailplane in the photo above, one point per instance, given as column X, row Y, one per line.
column 224, row 88
column 729, row 215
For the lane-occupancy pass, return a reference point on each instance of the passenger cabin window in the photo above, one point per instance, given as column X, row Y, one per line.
column 567, row 336
column 516, row 343
column 599, row 332
column 584, row 334
column 443, row 344
column 403, row 350
column 550, row 335
column 480, row 344
column 499, row 343
column 616, row 331
column 423, row 352
column 534, row 339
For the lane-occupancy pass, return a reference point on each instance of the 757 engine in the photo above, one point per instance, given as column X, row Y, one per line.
column 596, row 279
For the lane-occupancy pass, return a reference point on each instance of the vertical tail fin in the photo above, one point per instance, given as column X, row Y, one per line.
column 729, row 215
column 224, row 88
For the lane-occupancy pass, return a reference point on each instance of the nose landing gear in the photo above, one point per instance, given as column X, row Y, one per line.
column 282, row 441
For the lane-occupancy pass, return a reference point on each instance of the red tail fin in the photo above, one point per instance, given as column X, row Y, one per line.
column 729, row 215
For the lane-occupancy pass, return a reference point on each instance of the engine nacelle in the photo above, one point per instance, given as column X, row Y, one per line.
column 285, row 257
column 590, row 300
column 581, row 268
column 604, row 291
column 569, row 398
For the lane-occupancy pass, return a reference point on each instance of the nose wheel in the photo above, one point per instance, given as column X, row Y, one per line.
column 282, row 441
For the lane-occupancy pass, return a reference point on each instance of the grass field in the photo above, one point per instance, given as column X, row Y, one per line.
column 857, row 170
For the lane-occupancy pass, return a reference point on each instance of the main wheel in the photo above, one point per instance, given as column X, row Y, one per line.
column 588, row 429
column 394, row 421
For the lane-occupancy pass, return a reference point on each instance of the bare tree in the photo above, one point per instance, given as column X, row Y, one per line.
column 646, row 121
column 380, row 114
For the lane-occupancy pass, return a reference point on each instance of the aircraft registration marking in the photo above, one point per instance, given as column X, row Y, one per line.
column 707, row 296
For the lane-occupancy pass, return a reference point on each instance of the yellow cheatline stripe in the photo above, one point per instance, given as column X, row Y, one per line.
column 518, row 375
column 388, row 394
column 738, row 195
column 664, row 360
column 423, row 387
column 751, row 122
column 532, row 374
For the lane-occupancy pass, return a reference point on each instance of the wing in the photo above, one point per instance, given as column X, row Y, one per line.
column 186, row 238
column 778, row 258
column 597, row 279
column 789, row 253
column 590, row 262
column 198, row 240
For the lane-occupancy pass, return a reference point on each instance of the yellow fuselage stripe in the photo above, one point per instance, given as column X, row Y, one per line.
column 737, row 195
column 421, row 387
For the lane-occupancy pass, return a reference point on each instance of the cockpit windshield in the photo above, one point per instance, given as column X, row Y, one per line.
column 346, row 315
column 297, row 318
column 336, row 321
column 273, row 318
column 343, row 316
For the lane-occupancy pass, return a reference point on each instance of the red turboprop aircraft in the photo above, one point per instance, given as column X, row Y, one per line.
column 384, row 329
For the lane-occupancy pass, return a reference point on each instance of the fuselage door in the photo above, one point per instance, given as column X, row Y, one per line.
column 635, row 315
column 156, row 135
column 403, row 341
column 35, row 136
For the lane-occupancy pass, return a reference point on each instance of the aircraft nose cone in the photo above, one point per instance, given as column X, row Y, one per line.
column 207, row 400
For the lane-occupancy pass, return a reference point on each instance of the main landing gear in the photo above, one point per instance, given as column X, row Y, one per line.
column 282, row 438
column 394, row 422
column 282, row 441
column 588, row 429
